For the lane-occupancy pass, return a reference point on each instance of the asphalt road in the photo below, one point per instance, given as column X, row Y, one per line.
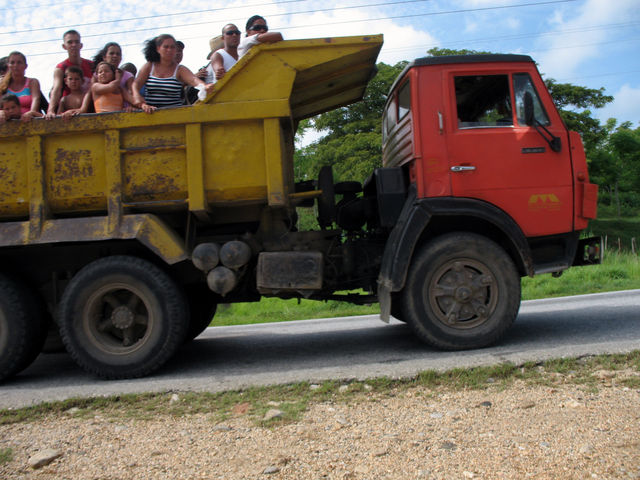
column 361, row 347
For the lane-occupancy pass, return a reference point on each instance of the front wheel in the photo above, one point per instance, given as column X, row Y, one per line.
column 122, row 317
column 462, row 291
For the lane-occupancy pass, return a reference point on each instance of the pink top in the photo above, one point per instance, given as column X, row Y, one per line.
column 24, row 96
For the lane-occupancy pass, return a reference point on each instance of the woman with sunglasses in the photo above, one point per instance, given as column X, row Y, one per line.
column 257, row 33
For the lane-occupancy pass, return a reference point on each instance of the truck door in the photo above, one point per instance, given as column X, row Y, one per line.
column 494, row 156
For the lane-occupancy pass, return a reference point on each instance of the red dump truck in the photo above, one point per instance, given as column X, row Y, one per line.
column 125, row 230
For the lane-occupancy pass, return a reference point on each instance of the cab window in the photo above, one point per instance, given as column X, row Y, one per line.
column 483, row 101
column 404, row 100
column 523, row 84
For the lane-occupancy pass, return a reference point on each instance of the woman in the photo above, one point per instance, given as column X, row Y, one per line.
column 26, row 89
column 112, row 54
column 257, row 33
column 162, row 77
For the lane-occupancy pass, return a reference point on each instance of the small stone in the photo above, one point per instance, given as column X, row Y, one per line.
column 491, row 380
column 271, row 403
column 368, row 387
column 174, row 398
column 72, row 411
column 448, row 446
column 120, row 428
column 272, row 413
column 43, row 458
column 271, row 469
column 241, row 408
column 436, row 415
column 222, row 428
column 586, row 449
column 342, row 420
column 485, row 404
column 343, row 388
column 314, row 386
column 468, row 474
column 545, row 444
column 527, row 405
column 381, row 453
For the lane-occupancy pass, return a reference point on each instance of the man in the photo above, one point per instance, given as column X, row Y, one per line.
column 72, row 44
column 179, row 52
column 225, row 58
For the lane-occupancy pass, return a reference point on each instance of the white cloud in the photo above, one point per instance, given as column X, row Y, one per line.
column 575, row 29
column 625, row 107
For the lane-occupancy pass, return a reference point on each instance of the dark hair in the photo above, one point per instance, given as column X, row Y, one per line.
column 150, row 49
column 179, row 44
column 99, row 57
column 9, row 97
column 73, row 69
column 252, row 20
column 129, row 67
column 70, row 32
column 4, row 65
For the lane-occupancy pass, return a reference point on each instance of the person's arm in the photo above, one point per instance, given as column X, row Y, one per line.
column 217, row 63
column 138, row 83
column 34, row 86
column 186, row 76
column 102, row 88
column 56, row 92
column 270, row 37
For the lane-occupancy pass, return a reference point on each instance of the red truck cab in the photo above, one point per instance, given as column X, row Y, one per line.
column 458, row 124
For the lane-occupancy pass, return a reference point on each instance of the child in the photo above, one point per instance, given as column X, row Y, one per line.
column 10, row 105
column 108, row 95
column 71, row 104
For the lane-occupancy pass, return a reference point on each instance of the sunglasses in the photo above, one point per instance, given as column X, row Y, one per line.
column 233, row 32
column 263, row 28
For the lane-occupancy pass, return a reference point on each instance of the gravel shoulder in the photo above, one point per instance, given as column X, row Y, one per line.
column 558, row 430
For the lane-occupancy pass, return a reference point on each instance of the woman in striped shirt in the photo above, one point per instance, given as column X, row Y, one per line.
column 162, row 77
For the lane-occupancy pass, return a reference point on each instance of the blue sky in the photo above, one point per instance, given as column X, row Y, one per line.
column 593, row 43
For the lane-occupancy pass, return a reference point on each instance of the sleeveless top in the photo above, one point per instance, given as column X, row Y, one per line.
column 227, row 62
column 108, row 102
column 163, row 92
column 24, row 96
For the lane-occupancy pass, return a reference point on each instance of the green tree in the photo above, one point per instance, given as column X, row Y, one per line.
column 352, row 135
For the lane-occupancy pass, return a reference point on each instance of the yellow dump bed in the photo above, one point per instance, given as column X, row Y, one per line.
column 234, row 149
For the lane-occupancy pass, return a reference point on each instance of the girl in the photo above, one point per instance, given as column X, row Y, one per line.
column 162, row 76
column 112, row 53
column 108, row 95
column 26, row 89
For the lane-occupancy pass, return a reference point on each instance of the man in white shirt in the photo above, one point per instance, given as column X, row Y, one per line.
column 257, row 33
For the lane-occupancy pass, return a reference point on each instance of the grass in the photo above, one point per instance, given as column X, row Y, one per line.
column 619, row 271
column 6, row 455
column 294, row 399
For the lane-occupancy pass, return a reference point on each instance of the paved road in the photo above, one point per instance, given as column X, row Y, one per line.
column 345, row 348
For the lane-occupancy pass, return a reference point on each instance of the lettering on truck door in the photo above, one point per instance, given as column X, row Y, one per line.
column 494, row 156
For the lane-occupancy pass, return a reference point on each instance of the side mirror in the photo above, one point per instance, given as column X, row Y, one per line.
column 528, row 109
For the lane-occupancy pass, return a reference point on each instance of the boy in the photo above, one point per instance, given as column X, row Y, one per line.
column 73, row 45
column 71, row 104
column 11, row 109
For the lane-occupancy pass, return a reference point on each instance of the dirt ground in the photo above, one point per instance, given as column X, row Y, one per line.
column 557, row 431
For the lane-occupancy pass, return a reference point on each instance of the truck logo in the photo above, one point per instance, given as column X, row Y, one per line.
column 544, row 201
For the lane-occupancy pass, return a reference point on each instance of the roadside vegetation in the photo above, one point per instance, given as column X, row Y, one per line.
column 294, row 399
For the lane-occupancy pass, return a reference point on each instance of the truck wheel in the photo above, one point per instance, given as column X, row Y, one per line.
column 462, row 291
column 22, row 328
column 122, row 317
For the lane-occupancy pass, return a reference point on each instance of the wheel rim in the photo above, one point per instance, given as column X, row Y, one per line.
column 463, row 293
column 118, row 319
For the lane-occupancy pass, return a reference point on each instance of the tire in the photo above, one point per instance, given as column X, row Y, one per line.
column 202, row 308
column 462, row 292
column 22, row 327
column 122, row 317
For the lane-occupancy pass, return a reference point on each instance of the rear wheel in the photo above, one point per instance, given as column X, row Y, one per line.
column 22, row 327
column 122, row 317
column 462, row 291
